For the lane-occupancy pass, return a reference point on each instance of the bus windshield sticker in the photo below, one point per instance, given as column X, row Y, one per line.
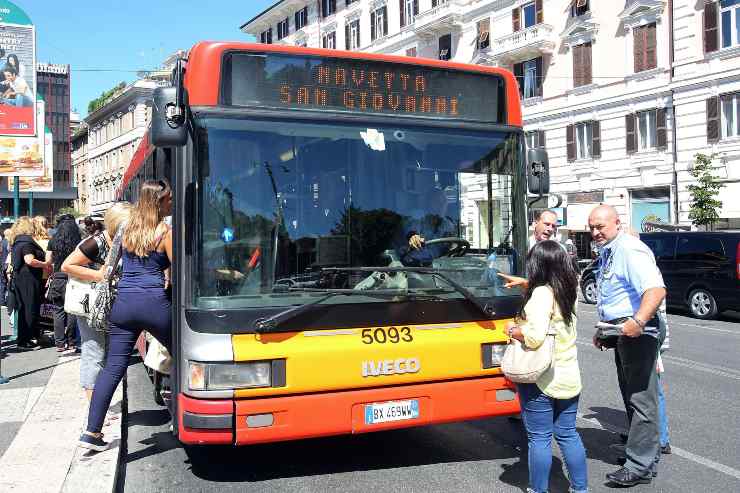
column 373, row 139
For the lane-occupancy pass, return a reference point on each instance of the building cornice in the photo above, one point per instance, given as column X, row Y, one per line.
column 641, row 12
column 121, row 103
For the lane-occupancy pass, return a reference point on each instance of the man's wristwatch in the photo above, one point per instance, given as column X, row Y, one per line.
column 639, row 322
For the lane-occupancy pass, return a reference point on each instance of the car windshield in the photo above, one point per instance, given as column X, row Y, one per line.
column 290, row 208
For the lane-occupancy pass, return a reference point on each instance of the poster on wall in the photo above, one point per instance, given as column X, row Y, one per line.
column 23, row 156
column 44, row 183
column 18, row 72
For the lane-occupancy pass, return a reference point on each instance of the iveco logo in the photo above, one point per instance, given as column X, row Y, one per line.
column 390, row 367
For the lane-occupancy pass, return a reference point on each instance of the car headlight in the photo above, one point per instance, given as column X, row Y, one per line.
column 230, row 376
column 493, row 354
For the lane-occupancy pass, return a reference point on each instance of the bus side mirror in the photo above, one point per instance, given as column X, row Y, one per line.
column 169, row 128
column 538, row 172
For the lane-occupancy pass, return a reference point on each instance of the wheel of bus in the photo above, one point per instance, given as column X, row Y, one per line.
column 157, row 388
column 702, row 304
column 458, row 246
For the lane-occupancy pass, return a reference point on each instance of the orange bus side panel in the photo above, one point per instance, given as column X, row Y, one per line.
column 337, row 413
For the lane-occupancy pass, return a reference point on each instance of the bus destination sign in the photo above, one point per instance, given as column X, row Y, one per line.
column 360, row 86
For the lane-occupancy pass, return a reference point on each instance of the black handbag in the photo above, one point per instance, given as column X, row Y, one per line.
column 57, row 288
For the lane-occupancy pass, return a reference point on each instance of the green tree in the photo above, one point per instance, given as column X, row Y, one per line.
column 104, row 96
column 704, row 203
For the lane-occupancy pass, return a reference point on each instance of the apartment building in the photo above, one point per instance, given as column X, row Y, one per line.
column 607, row 87
column 80, row 168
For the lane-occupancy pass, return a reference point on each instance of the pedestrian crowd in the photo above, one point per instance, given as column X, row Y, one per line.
column 129, row 252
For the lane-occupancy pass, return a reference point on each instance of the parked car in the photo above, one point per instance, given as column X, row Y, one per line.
column 588, row 282
column 701, row 270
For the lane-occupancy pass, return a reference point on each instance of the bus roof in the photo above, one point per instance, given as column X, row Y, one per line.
column 204, row 61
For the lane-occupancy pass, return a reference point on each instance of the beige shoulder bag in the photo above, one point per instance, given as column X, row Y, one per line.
column 524, row 365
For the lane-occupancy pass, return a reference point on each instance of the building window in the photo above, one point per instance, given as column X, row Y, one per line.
column 266, row 37
column 329, row 40
column 301, row 18
column 535, row 139
column 529, row 74
column 378, row 23
column 645, row 47
column 411, row 52
column 438, row 2
column 583, row 140
column 527, row 15
column 582, row 65
column 484, row 29
column 646, row 127
column 409, row 10
column 352, row 35
column 730, row 115
column 282, row 28
column 579, row 8
column 445, row 47
column 730, row 22
column 328, row 7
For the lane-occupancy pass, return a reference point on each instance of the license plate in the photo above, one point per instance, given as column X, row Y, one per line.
column 385, row 412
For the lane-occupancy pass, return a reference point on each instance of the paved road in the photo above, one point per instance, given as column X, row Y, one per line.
column 702, row 384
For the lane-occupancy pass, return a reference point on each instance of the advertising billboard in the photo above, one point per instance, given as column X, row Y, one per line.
column 23, row 156
column 17, row 72
column 44, row 183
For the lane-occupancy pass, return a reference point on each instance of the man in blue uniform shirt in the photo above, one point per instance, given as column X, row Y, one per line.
column 630, row 290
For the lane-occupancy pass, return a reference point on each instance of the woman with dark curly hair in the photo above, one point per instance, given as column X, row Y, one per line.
column 65, row 240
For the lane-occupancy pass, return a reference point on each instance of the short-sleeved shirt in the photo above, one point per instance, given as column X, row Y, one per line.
column 95, row 248
column 626, row 270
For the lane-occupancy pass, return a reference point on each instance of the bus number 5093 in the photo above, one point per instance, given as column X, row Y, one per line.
column 382, row 335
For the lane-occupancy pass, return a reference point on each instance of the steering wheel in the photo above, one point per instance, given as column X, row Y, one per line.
column 458, row 248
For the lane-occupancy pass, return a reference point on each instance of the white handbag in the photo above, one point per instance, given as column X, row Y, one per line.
column 525, row 365
column 157, row 357
column 79, row 297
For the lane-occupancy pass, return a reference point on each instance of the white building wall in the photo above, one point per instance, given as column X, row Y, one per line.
column 616, row 90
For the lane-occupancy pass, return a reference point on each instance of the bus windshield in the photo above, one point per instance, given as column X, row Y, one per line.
column 289, row 210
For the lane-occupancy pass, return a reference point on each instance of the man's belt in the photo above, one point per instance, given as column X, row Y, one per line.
column 653, row 322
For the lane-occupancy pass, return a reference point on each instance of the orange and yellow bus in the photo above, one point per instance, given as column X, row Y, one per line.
column 339, row 221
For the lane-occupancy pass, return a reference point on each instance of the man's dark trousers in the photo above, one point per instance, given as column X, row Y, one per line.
column 638, row 381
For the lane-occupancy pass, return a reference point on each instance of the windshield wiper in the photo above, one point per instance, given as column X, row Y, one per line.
column 270, row 323
column 486, row 310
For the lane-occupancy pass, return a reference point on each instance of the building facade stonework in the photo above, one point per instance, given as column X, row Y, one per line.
column 622, row 94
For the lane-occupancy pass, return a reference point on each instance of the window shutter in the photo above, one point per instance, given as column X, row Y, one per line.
column 519, row 75
column 650, row 47
column 539, row 76
column 333, row 5
column 402, row 7
column 297, row 22
column 540, row 12
column 713, row 119
column 639, row 47
column 322, row 8
column 385, row 21
column 577, row 66
column 346, row 37
column 416, row 7
column 629, row 121
column 586, row 71
column 661, row 134
column 595, row 139
column 570, row 138
column 711, row 27
column 515, row 19
column 373, row 34
column 541, row 138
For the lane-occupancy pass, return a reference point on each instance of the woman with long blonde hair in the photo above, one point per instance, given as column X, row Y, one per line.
column 86, row 263
column 141, row 302
column 29, row 264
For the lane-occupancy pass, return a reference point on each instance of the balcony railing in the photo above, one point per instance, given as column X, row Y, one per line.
column 532, row 40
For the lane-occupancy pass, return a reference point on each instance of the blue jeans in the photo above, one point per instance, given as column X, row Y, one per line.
column 662, row 414
column 544, row 416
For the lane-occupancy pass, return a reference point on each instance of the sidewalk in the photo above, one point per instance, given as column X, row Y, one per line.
column 42, row 413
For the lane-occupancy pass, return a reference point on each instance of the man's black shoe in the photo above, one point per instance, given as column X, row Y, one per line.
column 625, row 477
column 666, row 450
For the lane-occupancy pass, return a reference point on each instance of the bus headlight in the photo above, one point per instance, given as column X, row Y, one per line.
column 493, row 354
column 230, row 376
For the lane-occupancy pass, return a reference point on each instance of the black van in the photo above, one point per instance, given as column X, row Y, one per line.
column 701, row 270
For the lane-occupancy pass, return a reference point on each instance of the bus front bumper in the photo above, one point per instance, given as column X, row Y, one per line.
column 248, row 421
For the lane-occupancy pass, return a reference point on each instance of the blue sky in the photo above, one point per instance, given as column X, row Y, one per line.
column 107, row 41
